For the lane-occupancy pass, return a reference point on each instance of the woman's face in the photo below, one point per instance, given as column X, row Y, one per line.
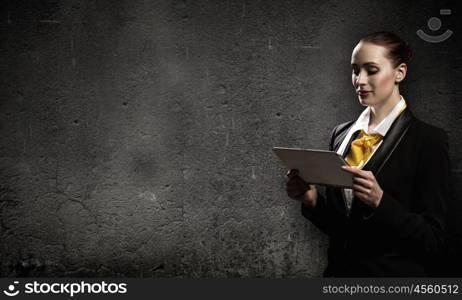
column 373, row 74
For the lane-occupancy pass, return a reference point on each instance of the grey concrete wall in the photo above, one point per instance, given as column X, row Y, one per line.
column 136, row 135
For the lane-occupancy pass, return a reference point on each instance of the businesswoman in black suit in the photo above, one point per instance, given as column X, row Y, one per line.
column 391, row 223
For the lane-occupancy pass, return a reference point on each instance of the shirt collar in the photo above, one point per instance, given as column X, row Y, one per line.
column 362, row 123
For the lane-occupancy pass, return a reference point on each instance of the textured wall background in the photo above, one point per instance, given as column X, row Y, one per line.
column 136, row 135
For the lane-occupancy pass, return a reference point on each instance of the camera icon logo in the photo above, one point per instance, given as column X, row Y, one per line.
column 10, row 292
column 435, row 24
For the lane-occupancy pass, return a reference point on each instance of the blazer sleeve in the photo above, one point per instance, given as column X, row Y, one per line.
column 319, row 215
column 420, row 230
column 322, row 215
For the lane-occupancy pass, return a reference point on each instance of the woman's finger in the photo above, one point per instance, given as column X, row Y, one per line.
column 357, row 172
column 361, row 195
column 292, row 172
column 362, row 181
column 294, row 187
column 362, row 189
column 370, row 175
column 295, row 192
column 299, row 180
column 295, row 195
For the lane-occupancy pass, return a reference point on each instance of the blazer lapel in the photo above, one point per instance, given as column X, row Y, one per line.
column 347, row 148
column 339, row 138
column 390, row 141
column 337, row 142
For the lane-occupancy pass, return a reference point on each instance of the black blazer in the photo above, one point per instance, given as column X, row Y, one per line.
column 405, row 233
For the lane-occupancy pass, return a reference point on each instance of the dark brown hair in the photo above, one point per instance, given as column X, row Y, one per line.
column 398, row 50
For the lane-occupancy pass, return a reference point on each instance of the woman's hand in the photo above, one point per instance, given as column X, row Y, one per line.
column 365, row 186
column 300, row 190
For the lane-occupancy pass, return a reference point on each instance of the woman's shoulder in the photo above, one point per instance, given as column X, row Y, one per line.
column 341, row 128
column 429, row 132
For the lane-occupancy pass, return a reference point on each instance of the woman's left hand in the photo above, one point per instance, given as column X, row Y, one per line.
column 365, row 186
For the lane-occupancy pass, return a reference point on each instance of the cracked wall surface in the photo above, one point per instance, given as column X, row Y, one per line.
column 136, row 136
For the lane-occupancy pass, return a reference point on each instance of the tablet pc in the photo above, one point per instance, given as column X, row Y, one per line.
column 316, row 166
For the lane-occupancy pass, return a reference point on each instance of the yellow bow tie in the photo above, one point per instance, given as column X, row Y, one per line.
column 362, row 148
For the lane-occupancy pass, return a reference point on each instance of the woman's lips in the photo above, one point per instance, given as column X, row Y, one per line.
column 364, row 93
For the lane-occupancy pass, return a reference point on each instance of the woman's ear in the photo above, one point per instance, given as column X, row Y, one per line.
column 401, row 71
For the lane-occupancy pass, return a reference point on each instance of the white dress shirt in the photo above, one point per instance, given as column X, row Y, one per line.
column 362, row 123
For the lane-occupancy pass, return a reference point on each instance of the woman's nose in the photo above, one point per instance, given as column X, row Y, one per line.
column 361, row 79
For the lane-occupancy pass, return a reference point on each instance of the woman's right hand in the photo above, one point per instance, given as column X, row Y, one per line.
column 299, row 189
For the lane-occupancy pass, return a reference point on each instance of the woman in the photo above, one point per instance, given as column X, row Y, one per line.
column 391, row 223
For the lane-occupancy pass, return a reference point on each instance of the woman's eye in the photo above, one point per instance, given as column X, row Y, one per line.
column 356, row 72
column 372, row 71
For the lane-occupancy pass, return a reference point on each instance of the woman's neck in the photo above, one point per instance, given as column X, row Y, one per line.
column 379, row 112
